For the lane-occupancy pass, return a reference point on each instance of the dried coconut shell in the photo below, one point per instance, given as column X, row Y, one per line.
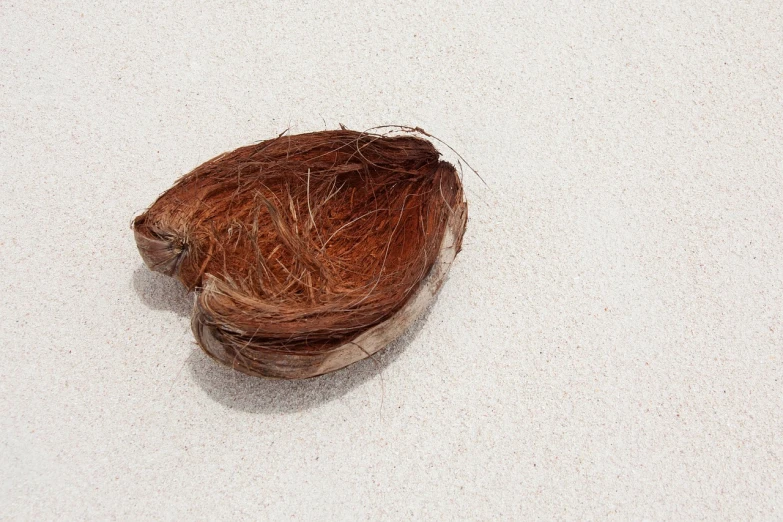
column 308, row 252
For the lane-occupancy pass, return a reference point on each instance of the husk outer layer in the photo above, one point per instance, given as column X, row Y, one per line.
column 308, row 252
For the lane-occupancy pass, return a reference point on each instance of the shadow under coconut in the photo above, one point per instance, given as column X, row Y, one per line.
column 160, row 292
column 270, row 396
column 255, row 394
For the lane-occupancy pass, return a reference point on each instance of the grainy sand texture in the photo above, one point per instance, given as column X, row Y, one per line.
column 609, row 342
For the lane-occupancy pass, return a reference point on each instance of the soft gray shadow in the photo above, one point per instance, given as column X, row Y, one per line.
column 160, row 292
column 268, row 396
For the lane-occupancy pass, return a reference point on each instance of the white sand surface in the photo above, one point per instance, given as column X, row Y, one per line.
column 609, row 343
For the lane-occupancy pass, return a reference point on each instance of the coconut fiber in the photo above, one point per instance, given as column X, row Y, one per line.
column 308, row 252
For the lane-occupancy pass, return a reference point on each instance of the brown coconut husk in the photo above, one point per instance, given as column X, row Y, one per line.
column 308, row 252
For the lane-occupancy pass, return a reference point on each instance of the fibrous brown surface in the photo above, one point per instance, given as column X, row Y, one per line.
column 300, row 244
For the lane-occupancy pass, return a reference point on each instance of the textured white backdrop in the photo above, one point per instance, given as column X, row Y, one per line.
column 610, row 340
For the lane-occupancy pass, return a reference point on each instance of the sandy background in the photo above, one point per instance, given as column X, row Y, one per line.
column 610, row 340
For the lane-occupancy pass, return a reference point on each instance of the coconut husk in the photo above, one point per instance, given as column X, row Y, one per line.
column 308, row 252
